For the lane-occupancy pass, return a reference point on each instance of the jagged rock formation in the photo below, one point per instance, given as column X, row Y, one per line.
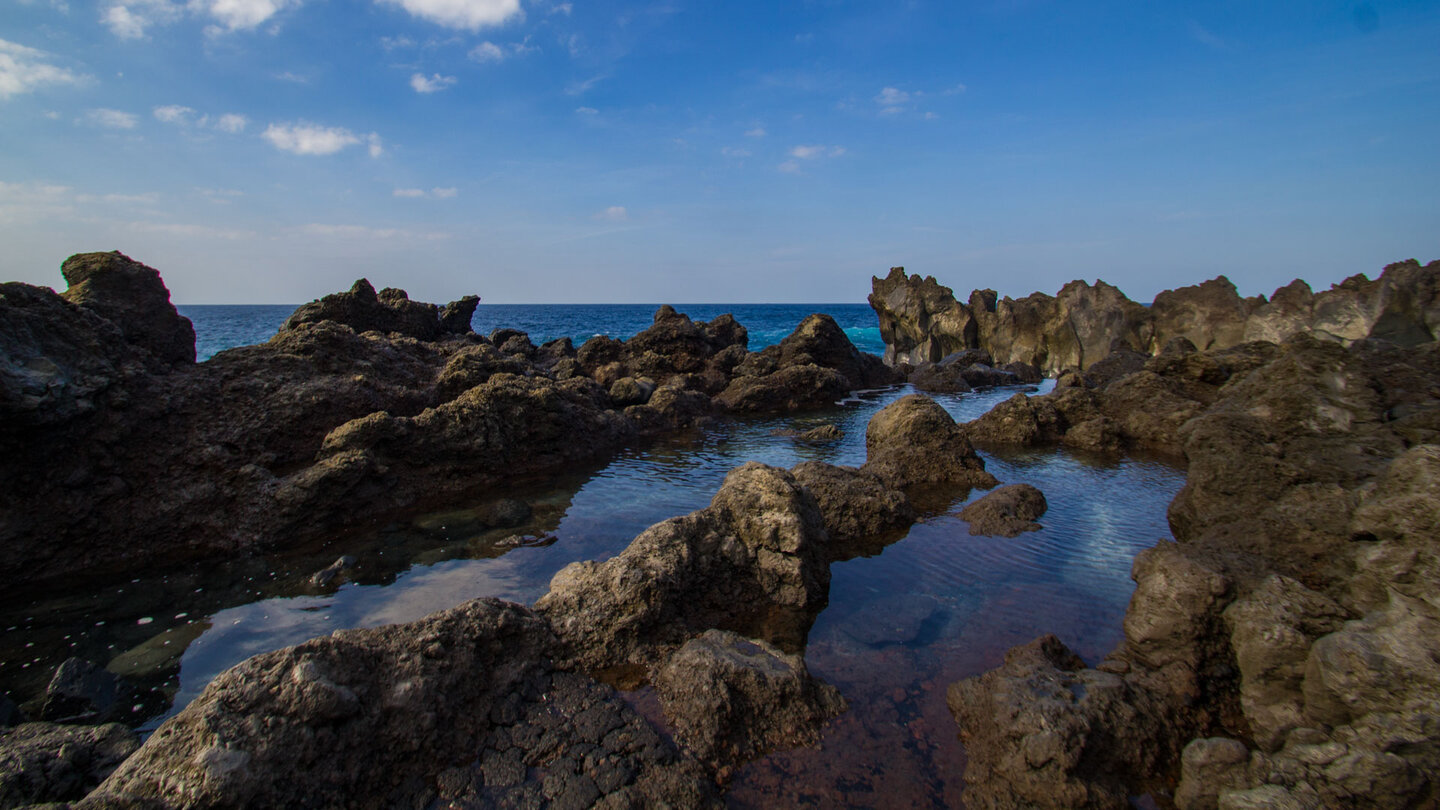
column 922, row 322
column 1283, row 651
column 117, row 451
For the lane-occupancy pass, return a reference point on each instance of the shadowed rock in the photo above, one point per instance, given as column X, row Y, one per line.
column 44, row 762
column 732, row 699
column 913, row 442
column 1006, row 512
column 131, row 296
column 389, row 311
column 862, row 514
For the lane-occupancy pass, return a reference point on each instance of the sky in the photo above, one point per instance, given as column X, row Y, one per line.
column 690, row 151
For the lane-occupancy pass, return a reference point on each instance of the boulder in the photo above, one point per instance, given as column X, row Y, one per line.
column 45, row 762
column 732, row 699
column 821, row 435
column 913, row 441
column 862, row 514
column 81, row 692
column 754, row 561
column 1006, row 512
column 131, row 296
column 1210, row 766
column 1044, row 732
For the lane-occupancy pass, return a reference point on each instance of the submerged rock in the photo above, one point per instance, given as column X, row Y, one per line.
column 1007, row 511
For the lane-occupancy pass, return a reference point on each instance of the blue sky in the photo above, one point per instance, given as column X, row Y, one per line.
column 270, row 151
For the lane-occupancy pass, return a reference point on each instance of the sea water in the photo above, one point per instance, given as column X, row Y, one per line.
column 934, row 606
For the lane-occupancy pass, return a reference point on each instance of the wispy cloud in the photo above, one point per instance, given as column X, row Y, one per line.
column 367, row 232
column 23, row 69
column 467, row 15
column 586, row 111
column 133, row 19
column 420, row 193
column 302, row 138
column 231, row 123
column 735, row 152
column 580, row 88
column 615, row 213
column 181, row 116
column 431, row 84
column 489, row 52
column 111, row 119
column 1207, row 38
column 892, row 100
column 757, row 132
column 809, row 152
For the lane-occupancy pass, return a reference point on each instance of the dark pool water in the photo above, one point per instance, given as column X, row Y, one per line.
column 933, row 607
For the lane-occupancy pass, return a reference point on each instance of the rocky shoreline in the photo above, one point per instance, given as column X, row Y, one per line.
column 1279, row 652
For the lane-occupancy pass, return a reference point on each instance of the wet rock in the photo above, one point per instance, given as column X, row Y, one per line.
column 1209, row 767
column 390, row 311
column 913, row 441
column 1044, row 732
column 732, row 699
column 131, row 296
column 861, row 513
column 1023, row 372
column 328, row 574
column 44, row 762
column 813, row 366
column 822, row 434
column 631, row 391
column 788, row 389
column 1006, row 512
column 81, row 692
column 940, row 379
column 754, row 561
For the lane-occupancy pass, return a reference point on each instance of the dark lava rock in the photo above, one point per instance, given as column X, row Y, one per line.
column 131, row 296
column 460, row 704
column 732, row 699
column 44, row 762
column 862, row 514
column 913, row 441
column 816, row 365
column 822, row 434
column 754, row 561
column 390, row 311
column 81, row 692
column 1006, row 512
column 1045, row 732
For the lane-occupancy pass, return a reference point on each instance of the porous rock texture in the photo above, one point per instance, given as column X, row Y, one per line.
column 921, row 321
column 118, row 452
column 45, row 762
column 1282, row 651
column 754, row 561
column 462, row 705
column 732, row 699
column 862, row 514
column 913, row 442
column 1007, row 511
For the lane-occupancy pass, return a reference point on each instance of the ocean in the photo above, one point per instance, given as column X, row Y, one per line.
column 225, row 326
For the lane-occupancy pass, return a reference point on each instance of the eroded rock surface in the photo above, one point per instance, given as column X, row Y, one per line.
column 921, row 321
column 1007, row 511
column 732, row 699
column 915, row 442
column 45, row 762
column 754, row 561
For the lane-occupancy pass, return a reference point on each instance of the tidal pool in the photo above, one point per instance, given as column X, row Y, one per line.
column 935, row 606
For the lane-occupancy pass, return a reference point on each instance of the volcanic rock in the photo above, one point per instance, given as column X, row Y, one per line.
column 861, row 513
column 390, row 311
column 44, row 762
column 913, row 441
column 131, row 296
column 1006, row 512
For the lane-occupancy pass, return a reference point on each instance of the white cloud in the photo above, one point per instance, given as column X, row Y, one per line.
column 302, row 138
column 470, row 15
column 23, row 69
column 586, row 111
column 220, row 196
column 432, row 84
column 33, row 202
column 487, row 52
column 174, row 114
column 244, row 15
column 377, row 148
column 732, row 152
column 562, row 8
column 757, row 132
column 119, row 199
column 231, row 123
column 809, row 152
column 444, row 193
column 891, row 96
column 580, row 88
column 111, row 119
column 956, row 90
column 615, row 213
column 790, row 167
column 289, row 76
column 409, row 192
column 191, row 231
column 131, row 19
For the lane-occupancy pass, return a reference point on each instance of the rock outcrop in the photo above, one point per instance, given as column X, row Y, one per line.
column 118, row 452
column 461, row 706
column 42, row 763
column 1286, row 641
column 921, row 321
column 754, row 561
column 915, row 443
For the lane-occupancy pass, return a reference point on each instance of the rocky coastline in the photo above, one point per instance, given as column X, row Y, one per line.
column 1280, row 651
